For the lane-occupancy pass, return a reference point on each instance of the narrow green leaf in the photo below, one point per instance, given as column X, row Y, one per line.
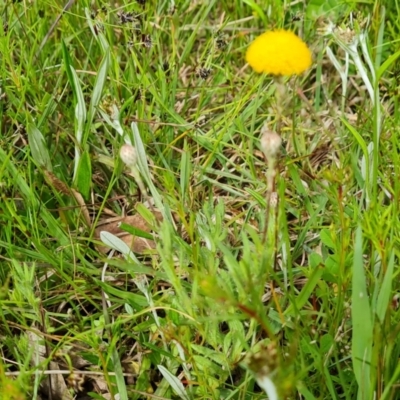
column 68, row 65
column 392, row 385
column 305, row 392
column 97, row 90
column 84, row 175
column 148, row 216
column 362, row 334
column 361, row 143
column 119, row 375
column 386, row 65
column 134, row 299
column 366, row 154
column 379, row 43
column 80, row 107
column 116, row 243
column 186, row 169
column 385, row 291
column 115, row 124
column 51, row 106
column 38, row 147
column 174, row 382
column 257, row 9
column 136, row 231
column 145, row 172
column 306, row 292
column 80, row 117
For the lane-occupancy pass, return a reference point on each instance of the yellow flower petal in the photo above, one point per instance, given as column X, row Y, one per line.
column 279, row 52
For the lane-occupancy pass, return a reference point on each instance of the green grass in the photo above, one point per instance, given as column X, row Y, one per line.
column 221, row 304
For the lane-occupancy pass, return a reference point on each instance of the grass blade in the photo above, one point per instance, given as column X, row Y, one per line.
column 84, row 175
column 145, row 172
column 385, row 291
column 306, row 292
column 97, row 91
column 116, row 243
column 80, row 118
column 175, row 383
column 362, row 323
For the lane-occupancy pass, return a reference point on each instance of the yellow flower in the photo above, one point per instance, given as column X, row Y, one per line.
column 279, row 52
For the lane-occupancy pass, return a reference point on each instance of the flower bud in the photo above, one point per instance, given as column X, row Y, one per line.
column 128, row 155
column 270, row 142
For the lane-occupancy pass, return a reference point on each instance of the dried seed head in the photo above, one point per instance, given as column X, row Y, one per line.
column 347, row 36
column 126, row 17
column 203, row 73
column 147, row 41
column 128, row 155
column 270, row 142
column 220, row 41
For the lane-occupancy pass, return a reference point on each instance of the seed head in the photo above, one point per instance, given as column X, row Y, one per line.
column 147, row 41
column 126, row 17
column 204, row 73
column 128, row 155
column 270, row 142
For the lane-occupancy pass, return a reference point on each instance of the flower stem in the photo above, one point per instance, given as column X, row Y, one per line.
column 270, row 175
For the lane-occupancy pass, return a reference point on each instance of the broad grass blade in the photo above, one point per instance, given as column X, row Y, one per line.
column 116, row 243
column 38, row 147
column 84, row 175
column 175, row 383
column 361, row 352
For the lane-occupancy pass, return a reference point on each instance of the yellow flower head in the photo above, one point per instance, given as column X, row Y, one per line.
column 279, row 52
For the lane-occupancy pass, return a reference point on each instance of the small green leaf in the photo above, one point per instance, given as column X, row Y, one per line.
column 326, row 239
column 38, row 147
column 315, row 260
column 84, row 175
column 305, row 294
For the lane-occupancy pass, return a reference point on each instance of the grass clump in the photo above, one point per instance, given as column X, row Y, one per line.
column 193, row 266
